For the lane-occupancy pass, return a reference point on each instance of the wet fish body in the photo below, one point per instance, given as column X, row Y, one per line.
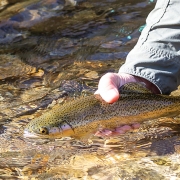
column 86, row 115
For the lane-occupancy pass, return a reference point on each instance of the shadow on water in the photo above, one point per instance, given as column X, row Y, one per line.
column 53, row 51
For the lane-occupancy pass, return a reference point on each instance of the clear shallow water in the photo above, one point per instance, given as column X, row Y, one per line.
column 53, row 49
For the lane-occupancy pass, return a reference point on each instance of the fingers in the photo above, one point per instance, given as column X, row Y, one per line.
column 117, row 131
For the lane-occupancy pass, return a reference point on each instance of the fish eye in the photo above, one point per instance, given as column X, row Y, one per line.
column 43, row 130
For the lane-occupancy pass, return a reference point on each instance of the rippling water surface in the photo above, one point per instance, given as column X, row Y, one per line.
column 52, row 51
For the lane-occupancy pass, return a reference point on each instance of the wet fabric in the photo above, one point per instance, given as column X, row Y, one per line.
column 156, row 56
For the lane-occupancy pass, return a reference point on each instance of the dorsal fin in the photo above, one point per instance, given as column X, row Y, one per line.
column 133, row 88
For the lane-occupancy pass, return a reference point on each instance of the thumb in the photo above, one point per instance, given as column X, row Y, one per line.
column 110, row 83
column 108, row 87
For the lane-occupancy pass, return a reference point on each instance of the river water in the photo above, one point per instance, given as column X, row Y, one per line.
column 53, row 51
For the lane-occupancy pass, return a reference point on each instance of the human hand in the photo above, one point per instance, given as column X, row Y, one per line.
column 108, row 89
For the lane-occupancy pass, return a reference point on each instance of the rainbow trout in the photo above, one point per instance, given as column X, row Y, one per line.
column 84, row 116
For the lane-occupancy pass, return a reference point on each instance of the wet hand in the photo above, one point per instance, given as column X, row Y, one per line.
column 108, row 89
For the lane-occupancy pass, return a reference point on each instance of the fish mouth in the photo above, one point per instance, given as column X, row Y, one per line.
column 28, row 134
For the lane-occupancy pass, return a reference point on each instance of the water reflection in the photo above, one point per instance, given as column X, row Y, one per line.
column 52, row 51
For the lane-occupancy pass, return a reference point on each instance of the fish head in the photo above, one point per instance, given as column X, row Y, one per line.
column 38, row 128
column 35, row 130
